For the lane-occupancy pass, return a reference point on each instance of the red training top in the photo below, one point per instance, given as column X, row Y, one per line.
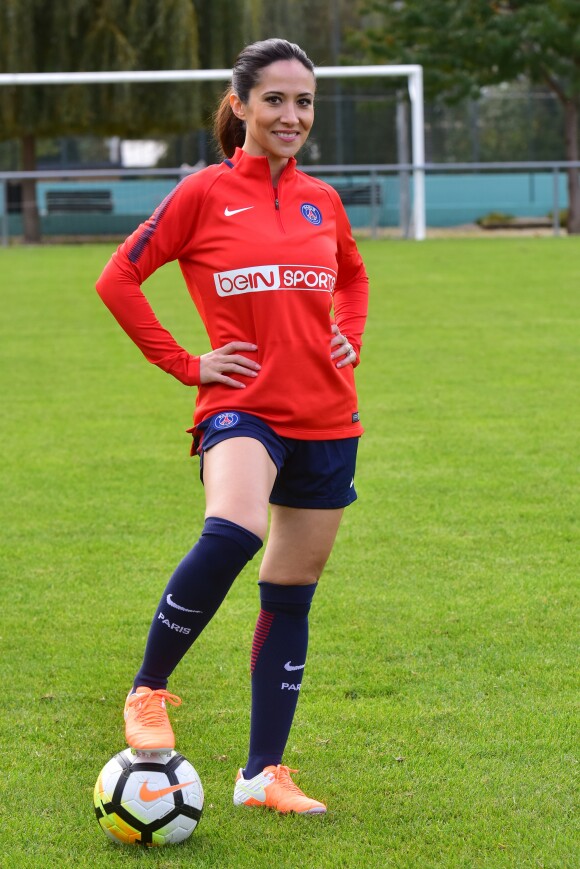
column 262, row 265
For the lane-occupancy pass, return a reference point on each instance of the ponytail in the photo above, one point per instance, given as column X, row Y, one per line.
column 229, row 130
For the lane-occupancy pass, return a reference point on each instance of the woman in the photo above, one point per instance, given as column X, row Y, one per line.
column 266, row 253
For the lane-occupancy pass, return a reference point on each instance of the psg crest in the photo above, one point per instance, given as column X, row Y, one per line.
column 311, row 213
column 226, row 420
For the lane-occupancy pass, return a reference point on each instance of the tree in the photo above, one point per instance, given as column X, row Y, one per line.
column 78, row 35
column 466, row 45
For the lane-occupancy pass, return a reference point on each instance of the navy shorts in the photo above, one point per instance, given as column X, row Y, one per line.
column 311, row 474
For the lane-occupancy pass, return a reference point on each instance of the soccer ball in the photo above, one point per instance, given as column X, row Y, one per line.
column 148, row 799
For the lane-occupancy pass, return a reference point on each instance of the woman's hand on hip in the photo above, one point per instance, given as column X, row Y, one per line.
column 217, row 365
column 341, row 349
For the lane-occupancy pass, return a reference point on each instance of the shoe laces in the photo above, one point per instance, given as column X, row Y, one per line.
column 150, row 706
column 282, row 776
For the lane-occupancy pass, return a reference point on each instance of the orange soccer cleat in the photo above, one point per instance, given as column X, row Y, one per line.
column 274, row 789
column 147, row 725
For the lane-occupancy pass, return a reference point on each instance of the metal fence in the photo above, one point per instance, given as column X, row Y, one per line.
column 377, row 197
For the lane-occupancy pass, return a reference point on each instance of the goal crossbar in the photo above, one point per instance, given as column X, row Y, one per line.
column 413, row 73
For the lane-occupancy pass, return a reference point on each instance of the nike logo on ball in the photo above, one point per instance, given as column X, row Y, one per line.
column 148, row 796
column 230, row 213
column 288, row 666
column 182, row 608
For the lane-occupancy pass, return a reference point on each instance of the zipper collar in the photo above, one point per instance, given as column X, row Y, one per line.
column 258, row 167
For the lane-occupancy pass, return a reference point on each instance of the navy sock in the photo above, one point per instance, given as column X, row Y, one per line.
column 193, row 596
column 277, row 666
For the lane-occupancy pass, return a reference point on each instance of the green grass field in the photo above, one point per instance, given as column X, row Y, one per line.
column 439, row 714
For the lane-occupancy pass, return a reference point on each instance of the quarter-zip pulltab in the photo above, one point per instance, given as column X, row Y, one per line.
column 277, row 209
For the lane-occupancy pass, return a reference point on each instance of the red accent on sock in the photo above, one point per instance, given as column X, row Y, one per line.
column 261, row 632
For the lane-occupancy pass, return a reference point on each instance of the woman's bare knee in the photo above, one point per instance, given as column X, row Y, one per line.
column 299, row 545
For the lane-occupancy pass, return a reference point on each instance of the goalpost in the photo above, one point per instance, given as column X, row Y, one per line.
column 412, row 72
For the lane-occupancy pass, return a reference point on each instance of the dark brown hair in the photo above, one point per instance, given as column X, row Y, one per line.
column 229, row 130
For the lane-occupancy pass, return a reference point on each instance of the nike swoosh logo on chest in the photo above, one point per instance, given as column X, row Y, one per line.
column 230, row 212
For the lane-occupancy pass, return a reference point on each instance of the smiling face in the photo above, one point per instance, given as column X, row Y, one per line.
column 279, row 113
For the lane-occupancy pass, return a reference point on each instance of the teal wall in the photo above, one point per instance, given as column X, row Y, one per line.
column 462, row 198
column 452, row 199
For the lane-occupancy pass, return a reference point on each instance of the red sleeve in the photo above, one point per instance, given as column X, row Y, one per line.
column 352, row 286
column 154, row 243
